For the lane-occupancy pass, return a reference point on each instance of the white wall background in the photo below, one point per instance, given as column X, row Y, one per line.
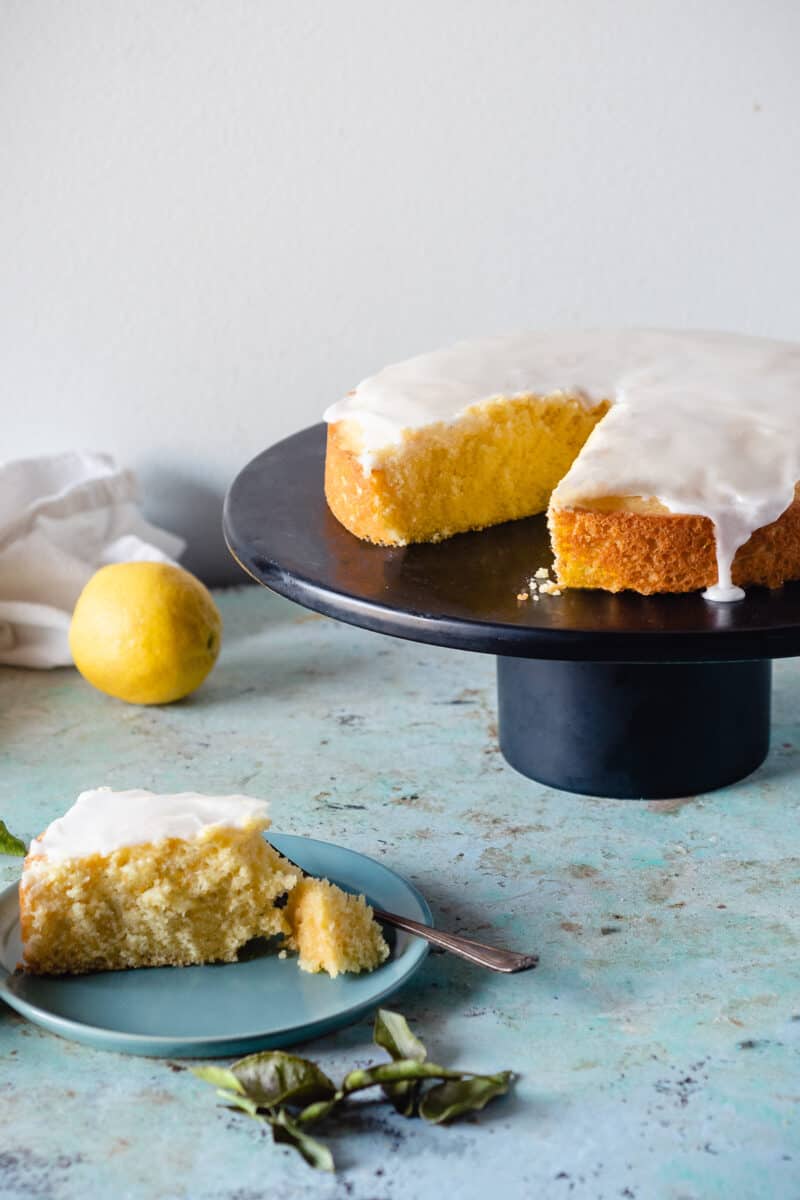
column 218, row 215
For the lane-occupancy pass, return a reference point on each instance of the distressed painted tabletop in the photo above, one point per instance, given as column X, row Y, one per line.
column 658, row 1043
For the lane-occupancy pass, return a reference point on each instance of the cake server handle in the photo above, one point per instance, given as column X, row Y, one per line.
column 507, row 961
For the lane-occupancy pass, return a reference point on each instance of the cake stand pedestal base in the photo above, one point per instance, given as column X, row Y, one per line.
column 634, row 730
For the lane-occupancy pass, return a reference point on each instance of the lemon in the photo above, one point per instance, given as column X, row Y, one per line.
column 145, row 632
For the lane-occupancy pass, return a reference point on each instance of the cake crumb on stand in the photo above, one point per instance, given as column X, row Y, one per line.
column 540, row 584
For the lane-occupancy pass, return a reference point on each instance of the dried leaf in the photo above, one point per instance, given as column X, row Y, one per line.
column 219, row 1077
column 404, row 1097
column 455, row 1097
column 274, row 1077
column 287, row 1132
column 392, row 1032
column 234, row 1100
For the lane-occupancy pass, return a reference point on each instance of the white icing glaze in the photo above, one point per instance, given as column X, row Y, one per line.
column 707, row 423
column 102, row 821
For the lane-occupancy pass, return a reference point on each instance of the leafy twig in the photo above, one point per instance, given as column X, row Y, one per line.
column 291, row 1093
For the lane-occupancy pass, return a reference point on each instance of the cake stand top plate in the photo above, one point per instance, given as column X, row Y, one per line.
column 463, row 592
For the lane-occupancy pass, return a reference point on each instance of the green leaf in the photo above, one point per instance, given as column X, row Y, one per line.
column 219, row 1077
column 287, row 1132
column 402, row 1071
column 318, row 1110
column 404, row 1097
column 393, row 1034
column 234, row 1100
column 455, row 1097
column 274, row 1077
column 10, row 844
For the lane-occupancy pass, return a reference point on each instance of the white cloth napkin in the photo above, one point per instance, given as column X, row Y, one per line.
column 61, row 518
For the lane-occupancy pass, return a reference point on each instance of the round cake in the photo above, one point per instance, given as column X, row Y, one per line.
column 666, row 461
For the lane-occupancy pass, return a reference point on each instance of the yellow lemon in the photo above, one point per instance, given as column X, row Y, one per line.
column 146, row 632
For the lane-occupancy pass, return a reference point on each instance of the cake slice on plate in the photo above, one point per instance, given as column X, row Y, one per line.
column 332, row 930
column 136, row 879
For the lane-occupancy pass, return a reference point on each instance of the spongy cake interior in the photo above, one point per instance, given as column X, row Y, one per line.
column 176, row 901
column 333, row 930
column 500, row 461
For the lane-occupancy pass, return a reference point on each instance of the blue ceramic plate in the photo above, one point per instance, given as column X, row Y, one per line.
column 227, row 1008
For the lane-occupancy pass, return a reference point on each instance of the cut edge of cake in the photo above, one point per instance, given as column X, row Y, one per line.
column 333, row 930
column 498, row 462
column 437, row 445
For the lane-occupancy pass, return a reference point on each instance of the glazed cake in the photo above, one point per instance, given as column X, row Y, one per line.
column 666, row 461
column 136, row 879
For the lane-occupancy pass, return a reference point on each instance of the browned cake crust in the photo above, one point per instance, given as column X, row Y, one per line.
column 499, row 462
column 363, row 509
column 619, row 548
column 667, row 552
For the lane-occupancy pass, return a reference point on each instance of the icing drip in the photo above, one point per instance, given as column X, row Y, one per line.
column 706, row 423
column 101, row 821
column 723, row 593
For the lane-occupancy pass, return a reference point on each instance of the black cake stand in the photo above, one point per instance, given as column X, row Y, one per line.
column 621, row 696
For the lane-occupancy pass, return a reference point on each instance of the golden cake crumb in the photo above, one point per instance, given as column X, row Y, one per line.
column 333, row 930
column 500, row 461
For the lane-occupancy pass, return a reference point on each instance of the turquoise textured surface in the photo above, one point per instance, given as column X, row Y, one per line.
column 658, row 1042
column 261, row 1002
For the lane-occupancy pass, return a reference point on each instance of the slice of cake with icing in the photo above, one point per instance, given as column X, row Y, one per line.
column 667, row 461
column 137, row 879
